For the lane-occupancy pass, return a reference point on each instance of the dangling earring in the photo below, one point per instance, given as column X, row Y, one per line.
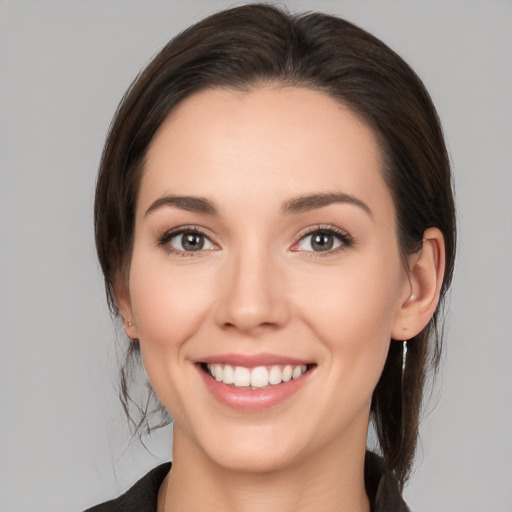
column 404, row 362
column 402, row 389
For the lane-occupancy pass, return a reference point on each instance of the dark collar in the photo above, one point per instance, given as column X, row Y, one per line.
column 381, row 487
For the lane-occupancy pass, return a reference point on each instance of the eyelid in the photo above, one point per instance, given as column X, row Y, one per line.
column 164, row 239
column 343, row 236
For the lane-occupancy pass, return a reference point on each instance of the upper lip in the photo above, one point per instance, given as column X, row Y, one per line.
column 253, row 360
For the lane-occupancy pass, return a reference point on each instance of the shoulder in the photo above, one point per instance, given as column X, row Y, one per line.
column 141, row 497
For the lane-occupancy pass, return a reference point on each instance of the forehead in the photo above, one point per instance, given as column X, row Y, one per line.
column 266, row 142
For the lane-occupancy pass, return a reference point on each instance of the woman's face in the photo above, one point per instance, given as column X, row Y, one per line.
column 265, row 250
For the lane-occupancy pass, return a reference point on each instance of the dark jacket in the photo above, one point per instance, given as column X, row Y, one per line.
column 381, row 487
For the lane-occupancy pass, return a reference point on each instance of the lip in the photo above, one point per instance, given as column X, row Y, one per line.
column 253, row 360
column 252, row 400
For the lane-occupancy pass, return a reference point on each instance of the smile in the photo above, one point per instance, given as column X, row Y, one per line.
column 254, row 383
column 255, row 378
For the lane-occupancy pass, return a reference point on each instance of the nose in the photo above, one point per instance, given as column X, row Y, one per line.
column 253, row 296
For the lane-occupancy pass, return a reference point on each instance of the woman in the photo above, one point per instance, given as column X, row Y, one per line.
column 275, row 223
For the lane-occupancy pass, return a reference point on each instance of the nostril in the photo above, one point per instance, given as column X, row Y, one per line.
column 249, row 325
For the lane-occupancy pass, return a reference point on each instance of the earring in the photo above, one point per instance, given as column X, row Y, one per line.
column 130, row 323
column 404, row 360
column 402, row 388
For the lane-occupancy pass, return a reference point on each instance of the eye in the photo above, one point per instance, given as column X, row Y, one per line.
column 322, row 240
column 187, row 241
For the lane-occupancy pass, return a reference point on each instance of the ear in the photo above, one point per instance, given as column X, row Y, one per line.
column 124, row 304
column 421, row 295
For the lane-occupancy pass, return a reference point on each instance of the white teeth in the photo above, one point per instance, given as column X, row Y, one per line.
column 242, row 376
column 275, row 375
column 217, row 372
column 228, row 374
column 287, row 373
column 298, row 371
column 258, row 377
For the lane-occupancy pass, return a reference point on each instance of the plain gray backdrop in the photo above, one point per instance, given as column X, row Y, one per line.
column 64, row 66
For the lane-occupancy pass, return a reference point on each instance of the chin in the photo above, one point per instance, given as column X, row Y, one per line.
column 248, row 460
column 254, row 449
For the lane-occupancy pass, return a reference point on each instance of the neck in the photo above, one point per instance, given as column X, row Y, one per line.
column 325, row 482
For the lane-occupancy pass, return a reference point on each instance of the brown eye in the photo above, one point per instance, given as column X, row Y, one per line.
column 323, row 240
column 190, row 242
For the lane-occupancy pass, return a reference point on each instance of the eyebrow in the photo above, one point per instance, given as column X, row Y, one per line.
column 188, row 203
column 311, row 202
column 293, row 206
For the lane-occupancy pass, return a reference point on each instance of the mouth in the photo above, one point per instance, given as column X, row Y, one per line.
column 259, row 377
column 251, row 384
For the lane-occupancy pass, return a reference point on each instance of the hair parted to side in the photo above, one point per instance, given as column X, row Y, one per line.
column 243, row 47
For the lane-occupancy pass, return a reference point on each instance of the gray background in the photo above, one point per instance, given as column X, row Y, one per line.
column 64, row 66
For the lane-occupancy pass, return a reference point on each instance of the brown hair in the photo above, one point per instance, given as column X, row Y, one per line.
column 245, row 46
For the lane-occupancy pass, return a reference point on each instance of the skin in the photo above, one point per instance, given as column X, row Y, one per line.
column 258, row 287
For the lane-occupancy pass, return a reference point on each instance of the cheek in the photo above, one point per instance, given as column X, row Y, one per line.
column 352, row 309
column 169, row 304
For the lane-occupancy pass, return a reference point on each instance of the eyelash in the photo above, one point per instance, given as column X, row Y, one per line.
column 164, row 240
column 345, row 239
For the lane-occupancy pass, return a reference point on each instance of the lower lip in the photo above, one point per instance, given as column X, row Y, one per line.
column 252, row 399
